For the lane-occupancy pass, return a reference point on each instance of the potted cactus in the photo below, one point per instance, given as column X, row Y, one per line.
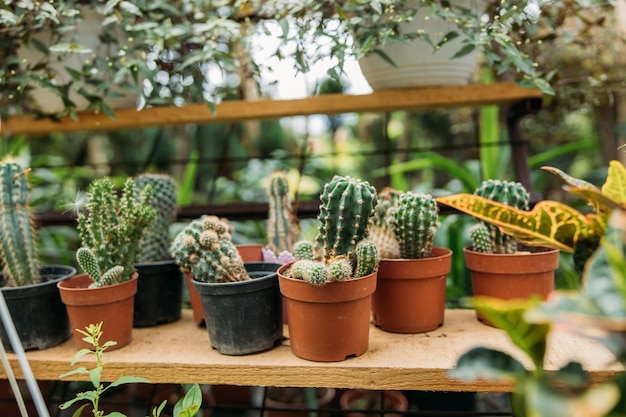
column 110, row 230
column 160, row 287
column 240, row 301
column 410, row 294
column 29, row 289
column 328, row 289
column 500, row 265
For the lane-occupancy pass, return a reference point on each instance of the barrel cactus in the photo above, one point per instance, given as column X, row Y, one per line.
column 17, row 234
column 113, row 225
column 205, row 248
column 347, row 206
column 283, row 227
column 415, row 220
column 506, row 192
column 155, row 245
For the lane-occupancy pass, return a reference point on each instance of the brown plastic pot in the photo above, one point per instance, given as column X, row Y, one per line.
column 353, row 400
column 328, row 323
column 112, row 305
column 410, row 294
column 290, row 402
column 250, row 252
column 194, row 299
column 512, row 276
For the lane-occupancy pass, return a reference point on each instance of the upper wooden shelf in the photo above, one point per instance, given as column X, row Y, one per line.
column 181, row 353
column 229, row 111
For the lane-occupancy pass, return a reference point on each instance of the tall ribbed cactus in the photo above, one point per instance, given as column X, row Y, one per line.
column 345, row 216
column 205, row 248
column 113, row 225
column 506, row 192
column 347, row 206
column 283, row 228
column 17, row 230
column 415, row 222
column 155, row 245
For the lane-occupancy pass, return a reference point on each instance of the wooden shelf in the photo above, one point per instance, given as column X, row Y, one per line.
column 229, row 111
column 181, row 353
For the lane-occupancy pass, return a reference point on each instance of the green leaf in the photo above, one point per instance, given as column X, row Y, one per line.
column 484, row 363
column 189, row 405
column 127, row 379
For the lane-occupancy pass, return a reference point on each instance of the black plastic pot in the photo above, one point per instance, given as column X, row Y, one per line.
column 39, row 315
column 244, row 317
column 159, row 297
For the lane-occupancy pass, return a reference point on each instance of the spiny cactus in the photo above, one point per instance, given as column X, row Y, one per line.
column 347, row 206
column 88, row 262
column 112, row 226
column 17, row 233
column 415, row 220
column 366, row 258
column 481, row 238
column 506, row 192
column 155, row 245
column 345, row 215
column 205, row 248
column 381, row 230
column 303, row 249
column 283, row 228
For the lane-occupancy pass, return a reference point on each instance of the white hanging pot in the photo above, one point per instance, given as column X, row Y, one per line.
column 87, row 31
column 416, row 63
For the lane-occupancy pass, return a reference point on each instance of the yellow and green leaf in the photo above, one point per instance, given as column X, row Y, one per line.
column 549, row 223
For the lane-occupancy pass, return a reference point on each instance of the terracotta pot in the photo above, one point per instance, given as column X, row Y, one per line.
column 328, row 323
column 410, row 294
column 194, row 299
column 512, row 276
column 250, row 252
column 112, row 305
column 290, row 402
column 371, row 400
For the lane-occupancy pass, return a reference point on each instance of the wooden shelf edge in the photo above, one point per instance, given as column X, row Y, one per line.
column 230, row 111
column 180, row 352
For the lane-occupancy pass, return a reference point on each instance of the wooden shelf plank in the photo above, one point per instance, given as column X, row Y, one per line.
column 181, row 353
column 229, row 111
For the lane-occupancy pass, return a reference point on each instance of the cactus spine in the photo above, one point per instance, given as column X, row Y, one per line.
column 112, row 226
column 381, row 231
column 347, row 205
column 415, row 222
column 506, row 192
column 88, row 262
column 17, row 231
column 205, row 248
column 283, row 228
column 155, row 245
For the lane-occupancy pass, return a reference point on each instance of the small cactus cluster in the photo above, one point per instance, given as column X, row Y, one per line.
column 88, row 262
column 113, row 225
column 405, row 226
column 342, row 250
column 205, row 248
column 155, row 245
column 488, row 238
column 17, row 235
column 283, row 227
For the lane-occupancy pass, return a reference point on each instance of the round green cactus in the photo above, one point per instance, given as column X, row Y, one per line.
column 303, row 249
column 314, row 272
column 205, row 248
column 506, row 192
column 480, row 236
column 340, row 269
column 17, row 234
column 347, row 206
column 367, row 258
column 415, row 223
column 155, row 245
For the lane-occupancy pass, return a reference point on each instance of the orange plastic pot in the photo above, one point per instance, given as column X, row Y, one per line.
column 328, row 323
column 512, row 276
column 410, row 294
column 113, row 305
